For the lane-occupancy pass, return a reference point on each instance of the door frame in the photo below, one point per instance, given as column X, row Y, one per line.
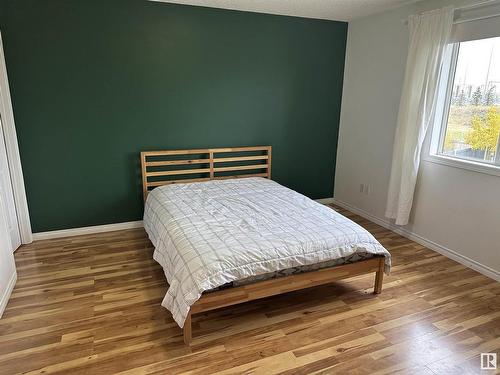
column 13, row 157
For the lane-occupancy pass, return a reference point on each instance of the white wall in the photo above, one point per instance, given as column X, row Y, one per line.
column 455, row 210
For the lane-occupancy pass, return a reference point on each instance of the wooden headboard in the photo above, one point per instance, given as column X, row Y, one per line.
column 181, row 166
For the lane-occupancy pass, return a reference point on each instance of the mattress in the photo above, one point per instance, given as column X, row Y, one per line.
column 356, row 257
column 212, row 233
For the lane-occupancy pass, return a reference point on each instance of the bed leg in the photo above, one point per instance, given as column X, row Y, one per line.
column 379, row 277
column 187, row 332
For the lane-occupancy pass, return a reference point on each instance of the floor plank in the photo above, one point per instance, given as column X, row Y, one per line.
column 91, row 305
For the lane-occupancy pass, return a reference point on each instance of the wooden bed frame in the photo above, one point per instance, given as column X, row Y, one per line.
column 178, row 166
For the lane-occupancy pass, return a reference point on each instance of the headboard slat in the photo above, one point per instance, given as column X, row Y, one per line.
column 241, row 158
column 176, row 162
column 177, row 172
column 240, row 168
column 198, row 165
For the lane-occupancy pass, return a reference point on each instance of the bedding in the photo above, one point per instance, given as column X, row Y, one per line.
column 208, row 234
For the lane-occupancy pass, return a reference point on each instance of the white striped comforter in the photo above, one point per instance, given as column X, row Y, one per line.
column 210, row 233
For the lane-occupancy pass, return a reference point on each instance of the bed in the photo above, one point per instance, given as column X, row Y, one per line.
column 225, row 233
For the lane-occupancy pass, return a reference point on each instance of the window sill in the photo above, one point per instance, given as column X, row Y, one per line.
column 463, row 164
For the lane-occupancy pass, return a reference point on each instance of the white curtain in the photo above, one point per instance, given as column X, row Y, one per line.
column 429, row 35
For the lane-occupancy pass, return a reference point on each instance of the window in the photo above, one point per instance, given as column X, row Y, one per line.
column 467, row 126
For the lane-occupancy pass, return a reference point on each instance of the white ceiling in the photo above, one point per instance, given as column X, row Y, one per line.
column 340, row 10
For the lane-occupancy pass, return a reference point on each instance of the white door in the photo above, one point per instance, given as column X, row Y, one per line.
column 7, row 265
column 7, row 196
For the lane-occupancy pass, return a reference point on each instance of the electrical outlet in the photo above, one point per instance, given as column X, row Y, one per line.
column 365, row 189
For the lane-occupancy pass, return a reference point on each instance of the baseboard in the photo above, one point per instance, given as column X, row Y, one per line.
column 325, row 200
column 86, row 230
column 108, row 227
column 7, row 293
column 481, row 268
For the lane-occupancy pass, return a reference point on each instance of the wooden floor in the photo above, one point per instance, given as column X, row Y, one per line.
column 91, row 305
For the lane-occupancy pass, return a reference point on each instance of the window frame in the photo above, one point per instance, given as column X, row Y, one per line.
column 435, row 138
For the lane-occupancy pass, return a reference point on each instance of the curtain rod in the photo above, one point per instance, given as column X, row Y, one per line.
column 458, row 11
column 477, row 5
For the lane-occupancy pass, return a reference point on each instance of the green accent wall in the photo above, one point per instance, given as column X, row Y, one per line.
column 94, row 82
